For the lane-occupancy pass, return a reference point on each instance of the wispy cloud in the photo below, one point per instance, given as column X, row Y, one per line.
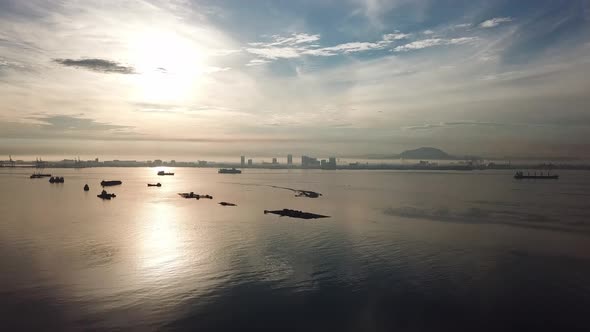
column 429, row 126
column 425, row 43
column 257, row 62
column 97, row 65
column 74, row 123
column 298, row 45
column 494, row 22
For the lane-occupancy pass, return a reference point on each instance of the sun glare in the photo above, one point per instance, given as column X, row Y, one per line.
column 169, row 66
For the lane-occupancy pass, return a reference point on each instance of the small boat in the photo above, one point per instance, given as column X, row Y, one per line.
column 295, row 214
column 56, row 179
column 229, row 171
column 193, row 195
column 226, row 204
column 39, row 176
column 110, row 183
column 520, row 175
column 165, row 173
column 86, row 187
column 105, row 195
column 154, row 184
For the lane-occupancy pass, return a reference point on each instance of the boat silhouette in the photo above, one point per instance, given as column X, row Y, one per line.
column 165, row 173
column 295, row 214
column 39, row 175
column 105, row 195
column 56, row 179
column 154, row 184
column 520, row 175
column 193, row 195
column 229, row 171
column 110, row 183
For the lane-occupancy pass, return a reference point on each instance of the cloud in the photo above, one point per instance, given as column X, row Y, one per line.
column 276, row 52
column 425, row 43
column 257, row 62
column 429, row 126
column 214, row 69
column 395, row 36
column 74, row 123
column 463, row 25
column 297, row 45
column 428, row 32
column 97, row 65
column 294, row 39
column 494, row 22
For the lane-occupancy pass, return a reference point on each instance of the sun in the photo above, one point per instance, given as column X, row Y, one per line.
column 169, row 66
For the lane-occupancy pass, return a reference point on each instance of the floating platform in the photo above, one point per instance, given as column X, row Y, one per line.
column 226, row 204
column 193, row 195
column 295, row 214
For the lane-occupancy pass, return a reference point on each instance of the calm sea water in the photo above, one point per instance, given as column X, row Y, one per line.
column 403, row 251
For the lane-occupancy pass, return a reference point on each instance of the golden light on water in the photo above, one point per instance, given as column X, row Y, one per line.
column 160, row 248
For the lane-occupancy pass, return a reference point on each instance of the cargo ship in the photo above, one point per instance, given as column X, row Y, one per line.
column 521, row 175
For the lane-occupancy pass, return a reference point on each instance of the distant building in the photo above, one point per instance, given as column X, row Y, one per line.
column 243, row 161
column 309, row 162
column 289, row 159
column 202, row 162
column 157, row 162
column 172, row 162
column 249, row 162
column 274, row 161
column 329, row 164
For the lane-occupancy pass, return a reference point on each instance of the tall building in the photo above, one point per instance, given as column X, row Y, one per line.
column 332, row 161
column 289, row 159
column 243, row 161
column 249, row 162
column 274, row 161
column 309, row 162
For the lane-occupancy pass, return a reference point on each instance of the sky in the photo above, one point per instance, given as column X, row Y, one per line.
column 185, row 78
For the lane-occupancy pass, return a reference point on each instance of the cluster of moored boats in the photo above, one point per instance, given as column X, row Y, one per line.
column 191, row 195
column 56, row 179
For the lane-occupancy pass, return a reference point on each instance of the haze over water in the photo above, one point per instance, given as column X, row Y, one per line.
column 409, row 251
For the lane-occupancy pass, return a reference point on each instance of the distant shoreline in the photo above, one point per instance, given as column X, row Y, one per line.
column 354, row 166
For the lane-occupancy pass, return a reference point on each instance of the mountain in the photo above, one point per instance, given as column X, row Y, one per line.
column 426, row 153
column 423, row 153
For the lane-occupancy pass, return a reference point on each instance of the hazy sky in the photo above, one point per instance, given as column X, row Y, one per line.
column 191, row 77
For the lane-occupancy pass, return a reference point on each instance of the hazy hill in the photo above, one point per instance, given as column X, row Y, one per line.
column 425, row 153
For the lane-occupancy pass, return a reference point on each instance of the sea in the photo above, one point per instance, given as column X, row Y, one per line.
column 400, row 251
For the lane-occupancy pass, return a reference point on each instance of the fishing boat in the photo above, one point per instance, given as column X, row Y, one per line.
column 39, row 175
column 105, row 195
column 154, row 184
column 86, row 187
column 229, row 171
column 165, row 173
column 520, row 175
column 193, row 195
column 110, row 183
